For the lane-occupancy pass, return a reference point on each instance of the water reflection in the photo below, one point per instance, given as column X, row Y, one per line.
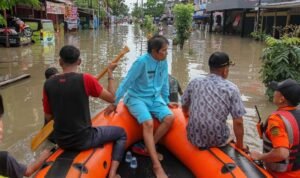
column 23, row 100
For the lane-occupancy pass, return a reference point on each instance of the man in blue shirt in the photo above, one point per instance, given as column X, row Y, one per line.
column 208, row 101
column 146, row 91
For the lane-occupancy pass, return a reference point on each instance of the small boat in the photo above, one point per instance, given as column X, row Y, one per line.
column 223, row 162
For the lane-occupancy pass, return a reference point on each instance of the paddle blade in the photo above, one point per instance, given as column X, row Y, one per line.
column 42, row 135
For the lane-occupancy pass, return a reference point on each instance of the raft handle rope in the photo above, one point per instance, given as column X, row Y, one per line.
column 228, row 167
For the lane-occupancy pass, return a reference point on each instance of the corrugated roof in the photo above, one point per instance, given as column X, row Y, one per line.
column 278, row 5
column 230, row 4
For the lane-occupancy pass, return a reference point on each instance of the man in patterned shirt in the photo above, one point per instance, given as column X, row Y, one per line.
column 208, row 101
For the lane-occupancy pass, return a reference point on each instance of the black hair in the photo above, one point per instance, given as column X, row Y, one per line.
column 69, row 54
column 156, row 42
column 50, row 71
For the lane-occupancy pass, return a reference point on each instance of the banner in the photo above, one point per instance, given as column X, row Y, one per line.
column 55, row 8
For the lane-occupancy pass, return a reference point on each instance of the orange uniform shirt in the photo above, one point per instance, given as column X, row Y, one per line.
column 277, row 133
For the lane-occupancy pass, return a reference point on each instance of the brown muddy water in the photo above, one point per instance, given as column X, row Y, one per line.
column 23, row 99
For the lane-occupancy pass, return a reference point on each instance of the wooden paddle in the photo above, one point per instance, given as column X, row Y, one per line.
column 48, row 128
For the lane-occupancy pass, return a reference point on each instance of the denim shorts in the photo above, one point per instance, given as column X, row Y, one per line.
column 144, row 108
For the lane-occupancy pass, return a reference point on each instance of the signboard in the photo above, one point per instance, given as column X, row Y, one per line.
column 55, row 8
column 71, row 17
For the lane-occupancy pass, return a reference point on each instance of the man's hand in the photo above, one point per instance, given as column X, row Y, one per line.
column 109, row 109
column 173, row 105
column 111, row 67
column 255, row 155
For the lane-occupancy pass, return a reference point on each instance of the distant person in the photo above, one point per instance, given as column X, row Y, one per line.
column 175, row 89
column 208, row 101
column 66, row 100
column 281, row 153
column 50, row 72
column 9, row 167
column 146, row 90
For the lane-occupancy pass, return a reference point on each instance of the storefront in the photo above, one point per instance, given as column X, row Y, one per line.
column 55, row 12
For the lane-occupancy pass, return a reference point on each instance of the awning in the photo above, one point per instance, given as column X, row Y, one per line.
column 218, row 5
column 278, row 5
column 199, row 17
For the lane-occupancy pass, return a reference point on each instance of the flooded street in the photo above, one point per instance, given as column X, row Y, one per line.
column 23, row 99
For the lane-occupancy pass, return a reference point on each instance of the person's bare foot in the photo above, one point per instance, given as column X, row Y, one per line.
column 114, row 176
column 160, row 156
column 159, row 172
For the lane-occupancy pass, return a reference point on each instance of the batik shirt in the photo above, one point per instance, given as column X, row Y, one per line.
column 210, row 100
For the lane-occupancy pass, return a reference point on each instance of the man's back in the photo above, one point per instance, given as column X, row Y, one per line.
column 211, row 99
column 70, row 106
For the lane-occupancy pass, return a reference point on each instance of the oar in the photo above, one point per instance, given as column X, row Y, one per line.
column 48, row 128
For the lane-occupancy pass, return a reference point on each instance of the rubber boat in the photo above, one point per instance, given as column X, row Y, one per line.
column 225, row 162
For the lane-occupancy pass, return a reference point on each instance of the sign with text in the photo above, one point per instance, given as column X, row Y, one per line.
column 55, row 8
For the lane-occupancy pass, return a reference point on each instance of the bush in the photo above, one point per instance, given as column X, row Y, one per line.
column 281, row 60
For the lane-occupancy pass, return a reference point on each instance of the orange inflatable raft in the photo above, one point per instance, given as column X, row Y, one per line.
column 95, row 163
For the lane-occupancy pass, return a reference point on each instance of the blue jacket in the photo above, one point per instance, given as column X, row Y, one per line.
column 147, row 78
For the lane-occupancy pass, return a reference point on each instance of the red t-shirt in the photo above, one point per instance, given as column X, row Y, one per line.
column 91, row 85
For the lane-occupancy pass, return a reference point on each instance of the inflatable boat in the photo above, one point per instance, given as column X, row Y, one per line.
column 225, row 162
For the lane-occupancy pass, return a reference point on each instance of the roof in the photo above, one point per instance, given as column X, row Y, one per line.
column 278, row 5
column 217, row 5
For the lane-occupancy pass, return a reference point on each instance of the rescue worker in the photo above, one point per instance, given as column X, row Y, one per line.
column 280, row 133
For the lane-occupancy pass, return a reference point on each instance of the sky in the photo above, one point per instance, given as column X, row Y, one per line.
column 130, row 3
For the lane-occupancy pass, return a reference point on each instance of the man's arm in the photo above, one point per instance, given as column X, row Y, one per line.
column 109, row 94
column 238, row 128
column 38, row 163
column 275, row 155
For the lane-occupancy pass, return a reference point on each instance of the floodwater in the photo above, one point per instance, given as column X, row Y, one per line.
column 23, row 99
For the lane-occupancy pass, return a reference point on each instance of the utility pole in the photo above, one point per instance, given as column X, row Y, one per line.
column 258, row 16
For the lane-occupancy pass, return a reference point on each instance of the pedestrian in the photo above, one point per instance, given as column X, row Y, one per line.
column 280, row 133
column 66, row 99
column 147, row 89
column 208, row 101
column 9, row 166
column 174, row 90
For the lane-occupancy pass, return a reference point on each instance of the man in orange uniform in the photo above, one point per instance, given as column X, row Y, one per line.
column 281, row 138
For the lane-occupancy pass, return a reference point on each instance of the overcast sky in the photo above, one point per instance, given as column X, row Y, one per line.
column 131, row 2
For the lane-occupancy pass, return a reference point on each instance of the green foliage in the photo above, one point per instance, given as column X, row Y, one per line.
column 183, row 22
column 257, row 35
column 281, row 60
column 8, row 5
column 2, row 20
column 154, row 8
column 148, row 24
column 137, row 11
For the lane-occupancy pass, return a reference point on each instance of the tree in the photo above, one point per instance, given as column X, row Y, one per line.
column 183, row 22
column 137, row 11
column 118, row 7
column 154, row 8
column 8, row 5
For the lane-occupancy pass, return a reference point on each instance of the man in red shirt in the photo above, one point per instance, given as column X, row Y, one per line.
column 66, row 99
column 281, row 154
